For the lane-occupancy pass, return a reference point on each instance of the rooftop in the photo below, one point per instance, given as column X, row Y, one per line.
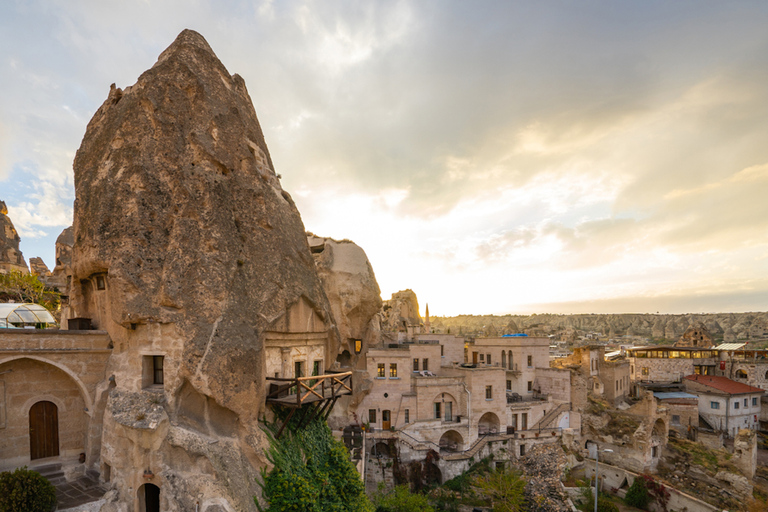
column 723, row 384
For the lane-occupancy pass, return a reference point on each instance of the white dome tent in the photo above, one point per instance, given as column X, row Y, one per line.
column 30, row 316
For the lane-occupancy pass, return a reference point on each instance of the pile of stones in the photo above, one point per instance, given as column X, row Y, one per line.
column 543, row 468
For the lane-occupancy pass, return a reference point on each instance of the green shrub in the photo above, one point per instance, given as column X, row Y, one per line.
column 400, row 499
column 637, row 494
column 26, row 490
column 312, row 473
column 604, row 504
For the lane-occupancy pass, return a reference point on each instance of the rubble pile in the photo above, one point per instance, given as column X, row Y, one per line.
column 542, row 467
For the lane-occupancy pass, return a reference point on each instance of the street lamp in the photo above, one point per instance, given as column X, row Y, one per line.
column 597, row 468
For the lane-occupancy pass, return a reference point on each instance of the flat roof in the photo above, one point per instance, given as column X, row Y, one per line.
column 665, row 395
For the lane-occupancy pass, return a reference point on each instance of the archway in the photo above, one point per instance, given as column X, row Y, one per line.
column 380, row 449
column 741, row 374
column 43, row 430
column 451, row 441
column 149, row 498
column 488, row 424
column 344, row 359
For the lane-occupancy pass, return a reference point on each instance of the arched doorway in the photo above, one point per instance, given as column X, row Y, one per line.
column 43, row 430
column 381, row 449
column 488, row 424
column 149, row 498
column 451, row 441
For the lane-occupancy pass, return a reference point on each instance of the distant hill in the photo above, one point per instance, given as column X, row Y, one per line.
column 722, row 326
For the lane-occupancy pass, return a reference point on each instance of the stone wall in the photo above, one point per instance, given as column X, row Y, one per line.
column 554, row 382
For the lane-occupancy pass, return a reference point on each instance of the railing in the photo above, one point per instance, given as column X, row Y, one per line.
column 312, row 388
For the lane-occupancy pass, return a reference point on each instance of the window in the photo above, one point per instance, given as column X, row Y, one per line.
column 380, row 373
column 735, row 404
column 100, row 283
column 530, row 386
column 509, row 385
column 298, row 369
column 754, row 402
column 449, row 411
column 714, row 405
column 371, row 415
column 675, row 419
column 407, row 415
column 358, row 346
column 157, row 369
column 482, row 358
column 524, row 421
column 617, row 385
column 514, row 421
column 488, row 359
column 489, row 392
column 442, row 351
column 530, row 361
column 425, row 364
column 392, row 370
column 437, row 410
column 522, row 450
column 645, row 370
column 152, row 371
column 632, row 369
column 746, row 404
column 316, row 367
column 415, row 364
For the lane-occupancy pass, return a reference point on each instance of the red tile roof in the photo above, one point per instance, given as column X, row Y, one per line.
column 724, row 384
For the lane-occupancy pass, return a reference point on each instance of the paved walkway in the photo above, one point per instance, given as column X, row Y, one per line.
column 78, row 492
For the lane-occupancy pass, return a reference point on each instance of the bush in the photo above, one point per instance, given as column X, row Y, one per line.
column 312, row 473
column 26, row 490
column 400, row 499
column 604, row 504
column 637, row 494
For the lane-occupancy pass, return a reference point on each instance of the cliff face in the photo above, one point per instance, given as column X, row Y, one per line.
column 11, row 258
column 187, row 248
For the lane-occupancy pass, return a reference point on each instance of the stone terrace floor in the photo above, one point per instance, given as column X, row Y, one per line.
column 78, row 492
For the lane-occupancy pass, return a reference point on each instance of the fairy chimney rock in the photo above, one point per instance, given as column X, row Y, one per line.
column 187, row 249
column 11, row 258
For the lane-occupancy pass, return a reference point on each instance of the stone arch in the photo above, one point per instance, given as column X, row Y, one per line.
column 451, row 441
column 380, row 449
column 489, row 423
column 659, row 429
column 79, row 383
column 149, row 498
column 741, row 374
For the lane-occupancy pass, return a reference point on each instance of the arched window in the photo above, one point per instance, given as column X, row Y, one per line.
column 741, row 374
column 503, row 359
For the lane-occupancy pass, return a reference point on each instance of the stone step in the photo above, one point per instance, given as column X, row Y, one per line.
column 47, row 469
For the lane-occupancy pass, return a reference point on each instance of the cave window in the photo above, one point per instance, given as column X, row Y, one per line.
column 101, row 283
column 358, row 346
column 152, row 371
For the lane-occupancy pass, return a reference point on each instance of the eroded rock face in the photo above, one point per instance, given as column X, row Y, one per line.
column 187, row 251
column 355, row 299
column 11, row 258
column 401, row 312
column 352, row 291
column 38, row 267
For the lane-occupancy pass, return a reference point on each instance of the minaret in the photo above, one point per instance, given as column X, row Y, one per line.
column 426, row 321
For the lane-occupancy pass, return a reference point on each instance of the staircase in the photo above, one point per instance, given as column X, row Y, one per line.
column 548, row 419
column 52, row 472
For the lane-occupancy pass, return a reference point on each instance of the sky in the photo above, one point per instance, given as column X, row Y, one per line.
column 495, row 157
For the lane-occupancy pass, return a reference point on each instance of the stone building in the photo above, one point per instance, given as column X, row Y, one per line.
column 725, row 404
column 696, row 336
column 11, row 258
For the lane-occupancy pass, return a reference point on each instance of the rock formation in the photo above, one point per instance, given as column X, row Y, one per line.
column 191, row 255
column 11, row 257
column 354, row 295
column 355, row 299
column 401, row 312
column 63, row 268
column 38, row 267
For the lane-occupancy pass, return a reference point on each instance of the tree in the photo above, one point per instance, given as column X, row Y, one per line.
column 637, row 494
column 505, row 488
column 28, row 288
column 400, row 499
column 312, row 472
column 26, row 490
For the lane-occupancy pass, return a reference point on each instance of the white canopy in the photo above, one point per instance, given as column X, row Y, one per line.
column 23, row 315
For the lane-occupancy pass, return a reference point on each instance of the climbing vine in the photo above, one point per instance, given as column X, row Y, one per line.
column 312, row 472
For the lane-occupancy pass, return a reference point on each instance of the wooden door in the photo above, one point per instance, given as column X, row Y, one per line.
column 43, row 430
column 386, row 423
column 474, row 357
